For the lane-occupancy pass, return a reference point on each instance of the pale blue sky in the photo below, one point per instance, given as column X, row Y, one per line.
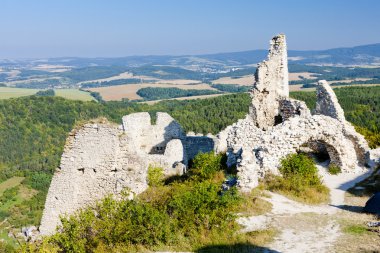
column 98, row 28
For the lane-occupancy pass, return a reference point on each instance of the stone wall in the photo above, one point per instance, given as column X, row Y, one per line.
column 93, row 165
column 257, row 152
column 271, row 84
column 278, row 126
column 102, row 159
column 198, row 144
column 151, row 138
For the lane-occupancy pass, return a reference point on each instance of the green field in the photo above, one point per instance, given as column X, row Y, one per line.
column 7, row 204
column 73, row 94
column 12, row 182
column 6, row 92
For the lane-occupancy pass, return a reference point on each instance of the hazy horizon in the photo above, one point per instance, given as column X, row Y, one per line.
column 47, row 29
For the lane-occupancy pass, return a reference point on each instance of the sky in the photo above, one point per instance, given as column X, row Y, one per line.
column 116, row 28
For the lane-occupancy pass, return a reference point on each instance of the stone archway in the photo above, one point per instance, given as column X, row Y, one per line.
column 258, row 152
column 322, row 152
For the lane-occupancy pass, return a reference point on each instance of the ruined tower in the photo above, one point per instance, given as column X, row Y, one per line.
column 271, row 85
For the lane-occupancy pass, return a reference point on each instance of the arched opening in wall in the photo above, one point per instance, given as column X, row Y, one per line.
column 323, row 153
column 278, row 120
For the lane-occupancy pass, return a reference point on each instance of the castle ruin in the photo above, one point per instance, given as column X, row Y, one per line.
column 278, row 125
column 102, row 158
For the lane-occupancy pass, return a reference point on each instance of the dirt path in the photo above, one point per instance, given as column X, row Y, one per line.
column 305, row 228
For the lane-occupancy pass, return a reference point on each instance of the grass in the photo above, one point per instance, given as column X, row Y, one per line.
column 253, row 204
column 334, row 169
column 7, row 92
column 355, row 229
column 311, row 195
column 8, row 240
column 299, row 181
column 73, row 94
column 10, row 183
column 249, row 242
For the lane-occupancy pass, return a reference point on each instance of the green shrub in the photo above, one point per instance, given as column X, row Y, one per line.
column 334, row 169
column 300, row 180
column 39, row 180
column 6, row 247
column 45, row 93
column 155, row 176
column 300, row 170
column 112, row 222
column 9, row 195
column 206, row 165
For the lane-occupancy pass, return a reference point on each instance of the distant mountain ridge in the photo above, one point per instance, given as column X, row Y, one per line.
column 359, row 55
column 349, row 56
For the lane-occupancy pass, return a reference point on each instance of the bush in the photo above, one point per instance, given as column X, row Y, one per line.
column 334, row 169
column 206, row 165
column 46, row 93
column 300, row 180
column 155, row 176
column 9, row 195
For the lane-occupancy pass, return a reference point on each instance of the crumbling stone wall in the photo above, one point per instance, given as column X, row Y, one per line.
column 198, row 144
column 101, row 159
column 271, row 85
column 257, row 152
column 278, row 126
column 151, row 138
column 93, row 165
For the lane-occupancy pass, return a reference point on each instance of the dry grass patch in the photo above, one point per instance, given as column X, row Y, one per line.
column 354, row 227
column 254, row 204
column 355, row 231
column 243, row 81
column 299, row 181
column 312, row 195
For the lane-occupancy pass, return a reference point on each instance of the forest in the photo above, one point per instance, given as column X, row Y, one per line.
column 157, row 93
column 114, row 82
